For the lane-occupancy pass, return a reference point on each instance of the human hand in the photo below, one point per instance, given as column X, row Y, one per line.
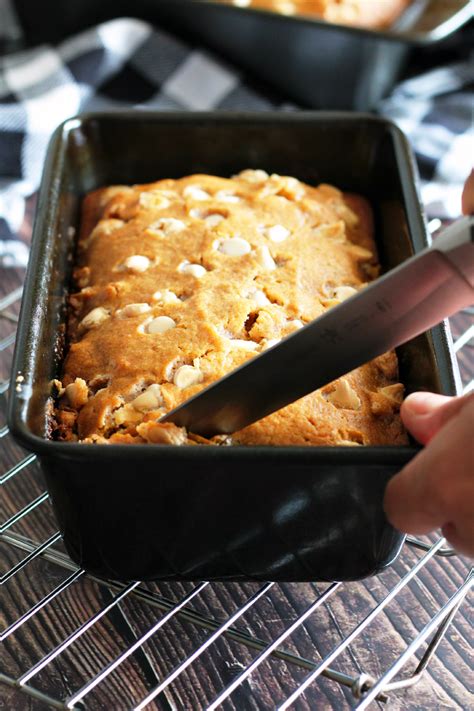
column 436, row 489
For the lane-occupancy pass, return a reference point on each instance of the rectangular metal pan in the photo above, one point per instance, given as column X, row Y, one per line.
column 315, row 63
column 159, row 512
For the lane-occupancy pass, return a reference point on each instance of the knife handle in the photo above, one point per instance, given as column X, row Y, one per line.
column 456, row 243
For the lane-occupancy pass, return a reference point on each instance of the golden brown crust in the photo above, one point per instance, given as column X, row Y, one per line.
column 180, row 281
column 375, row 14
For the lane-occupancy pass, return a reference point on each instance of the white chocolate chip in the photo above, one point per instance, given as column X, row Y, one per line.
column 288, row 184
column 186, row 376
column 282, row 188
column 224, row 196
column 195, row 270
column 110, row 225
column 266, row 258
column 194, row 192
column 133, row 310
column 77, row 393
column 339, row 294
column 251, row 176
column 245, row 345
column 163, row 433
column 182, row 265
column 344, row 292
column 167, row 226
column 224, row 332
column 269, row 343
column 259, row 297
column 293, row 187
column 154, row 200
column 150, row 399
column 344, row 396
column 285, row 7
column 126, row 415
column 165, row 297
column 386, row 400
column 233, row 246
column 222, row 440
column 160, row 324
column 171, row 367
column 277, row 233
column 137, row 263
column 94, row 318
column 295, row 324
column 214, row 219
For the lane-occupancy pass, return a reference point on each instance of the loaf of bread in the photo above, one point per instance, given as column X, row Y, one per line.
column 358, row 13
column 180, row 281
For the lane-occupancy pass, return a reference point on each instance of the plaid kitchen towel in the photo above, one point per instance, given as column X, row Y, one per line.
column 436, row 112
column 127, row 62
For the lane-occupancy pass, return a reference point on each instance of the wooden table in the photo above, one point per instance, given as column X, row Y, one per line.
column 445, row 684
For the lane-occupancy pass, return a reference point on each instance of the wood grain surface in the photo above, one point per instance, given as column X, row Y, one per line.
column 447, row 684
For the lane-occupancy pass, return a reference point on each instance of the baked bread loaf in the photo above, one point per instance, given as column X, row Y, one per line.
column 180, row 281
column 358, row 13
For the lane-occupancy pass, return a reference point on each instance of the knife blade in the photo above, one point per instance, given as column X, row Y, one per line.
column 393, row 309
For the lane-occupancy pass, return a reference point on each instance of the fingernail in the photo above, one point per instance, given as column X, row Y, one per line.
column 421, row 403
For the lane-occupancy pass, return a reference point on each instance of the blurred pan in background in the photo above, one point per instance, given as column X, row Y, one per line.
column 314, row 63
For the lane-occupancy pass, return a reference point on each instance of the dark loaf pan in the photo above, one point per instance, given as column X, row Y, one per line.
column 315, row 63
column 157, row 512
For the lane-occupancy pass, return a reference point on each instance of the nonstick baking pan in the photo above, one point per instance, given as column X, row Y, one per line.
column 228, row 513
column 312, row 62
column 315, row 63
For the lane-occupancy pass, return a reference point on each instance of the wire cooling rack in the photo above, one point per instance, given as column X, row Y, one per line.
column 72, row 641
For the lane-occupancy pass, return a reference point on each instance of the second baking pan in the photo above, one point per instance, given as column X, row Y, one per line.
column 162, row 512
column 312, row 62
column 315, row 63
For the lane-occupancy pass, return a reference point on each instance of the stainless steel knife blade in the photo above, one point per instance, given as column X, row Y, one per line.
column 395, row 308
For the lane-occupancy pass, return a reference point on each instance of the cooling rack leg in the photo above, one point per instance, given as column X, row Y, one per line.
column 427, row 656
column 440, row 623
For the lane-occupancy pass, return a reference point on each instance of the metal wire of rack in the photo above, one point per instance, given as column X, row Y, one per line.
column 258, row 646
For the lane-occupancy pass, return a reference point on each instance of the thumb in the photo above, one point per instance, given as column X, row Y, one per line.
column 424, row 414
column 436, row 488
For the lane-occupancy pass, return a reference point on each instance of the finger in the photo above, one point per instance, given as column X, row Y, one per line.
column 437, row 487
column 424, row 414
column 468, row 195
column 408, row 504
column 461, row 540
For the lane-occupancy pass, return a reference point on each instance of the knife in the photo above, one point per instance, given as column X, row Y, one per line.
column 393, row 309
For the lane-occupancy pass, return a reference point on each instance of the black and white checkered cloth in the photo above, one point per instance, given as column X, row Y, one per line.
column 127, row 62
